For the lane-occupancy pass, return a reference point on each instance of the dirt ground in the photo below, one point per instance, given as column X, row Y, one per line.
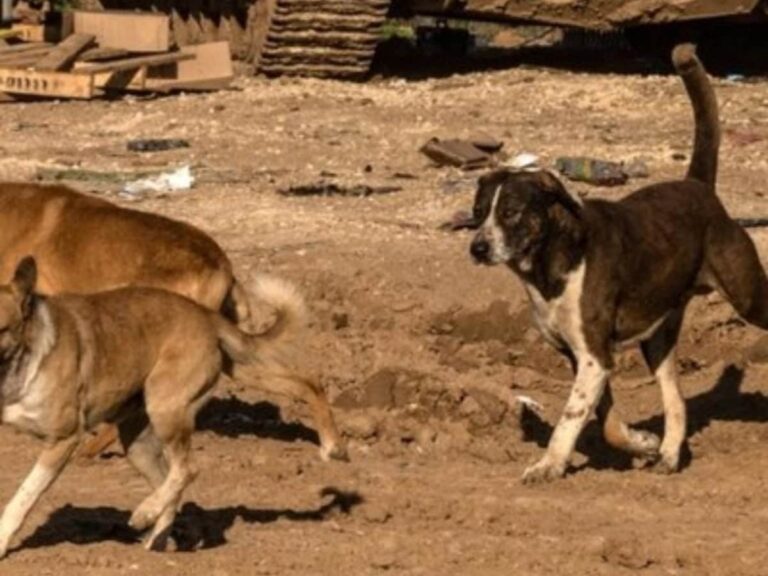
column 414, row 343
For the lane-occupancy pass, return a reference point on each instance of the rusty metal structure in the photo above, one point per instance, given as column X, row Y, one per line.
column 338, row 38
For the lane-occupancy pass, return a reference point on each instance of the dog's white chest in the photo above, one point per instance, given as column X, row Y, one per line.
column 27, row 412
column 559, row 319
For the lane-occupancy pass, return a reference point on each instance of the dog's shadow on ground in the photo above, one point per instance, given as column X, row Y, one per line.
column 232, row 417
column 195, row 528
column 724, row 402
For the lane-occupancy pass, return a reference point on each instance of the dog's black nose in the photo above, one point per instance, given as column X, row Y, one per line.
column 480, row 249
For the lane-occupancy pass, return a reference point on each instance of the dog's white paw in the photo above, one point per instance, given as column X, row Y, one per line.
column 143, row 517
column 644, row 444
column 668, row 463
column 335, row 451
column 543, row 471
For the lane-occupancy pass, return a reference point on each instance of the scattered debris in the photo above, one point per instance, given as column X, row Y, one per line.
column 156, row 144
column 460, row 153
column 175, row 180
column 592, row 171
column 461, row 220
column 323, row 188
column 637, row 168
column 93, row 176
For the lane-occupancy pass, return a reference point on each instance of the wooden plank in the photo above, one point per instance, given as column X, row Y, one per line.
column 63, row 55
column 99, row 54
column 50, row 84
column 16, row 48
column 23, row 60
column 133, row 63
column 134, row 31
column 210, row 69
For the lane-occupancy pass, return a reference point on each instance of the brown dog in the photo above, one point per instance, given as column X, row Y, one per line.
column 85, row 245
column 600, row 273
column 142, row 358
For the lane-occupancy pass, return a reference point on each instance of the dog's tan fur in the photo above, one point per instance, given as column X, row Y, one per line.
column 144, row 359
column 85, row 245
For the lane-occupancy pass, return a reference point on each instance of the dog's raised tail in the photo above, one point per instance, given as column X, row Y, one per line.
column 706, row 143
column 280, row 339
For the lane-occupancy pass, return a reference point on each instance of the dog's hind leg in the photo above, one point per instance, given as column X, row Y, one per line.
column 733, row 267
column 619, row 434
column 143, row 449
column 47, row 468
column 286, row 383
column 659, row 352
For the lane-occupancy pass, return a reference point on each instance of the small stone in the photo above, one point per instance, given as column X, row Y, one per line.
column 362, row 426
column 340, row 320
column 378, row 390
column 376, row 513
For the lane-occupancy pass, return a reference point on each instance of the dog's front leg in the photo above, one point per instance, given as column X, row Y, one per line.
column 47, row 468
column 591, row 378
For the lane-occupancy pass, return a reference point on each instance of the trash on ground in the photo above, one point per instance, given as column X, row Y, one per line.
column 636, row 168
column 92, row 176
column 110, row 51
column 592, row 171
column 523, row 161
column 172, row 181
column 460, row 153
column 324, row 188
column 461, row 220
column 156, row 144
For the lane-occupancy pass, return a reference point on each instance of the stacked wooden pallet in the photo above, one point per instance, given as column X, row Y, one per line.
column 107, row 51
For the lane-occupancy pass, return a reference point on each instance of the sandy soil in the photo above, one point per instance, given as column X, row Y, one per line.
column 414, row 344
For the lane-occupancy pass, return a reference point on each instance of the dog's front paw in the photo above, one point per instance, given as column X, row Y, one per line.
column 645, row 444
column 667, row 464
column 543, row 471
column 142, row 518
column 337, row 451
column 3, row 550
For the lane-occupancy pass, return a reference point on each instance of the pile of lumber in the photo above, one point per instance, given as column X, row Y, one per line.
column 110, row 51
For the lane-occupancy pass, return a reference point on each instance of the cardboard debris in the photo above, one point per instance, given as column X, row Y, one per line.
column 109, row 51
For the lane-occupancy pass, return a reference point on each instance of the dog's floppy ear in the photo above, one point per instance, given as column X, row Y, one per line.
column 552, row 185
column 23, row 283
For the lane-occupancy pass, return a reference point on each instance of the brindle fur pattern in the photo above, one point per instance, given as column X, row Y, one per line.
column 603, row 273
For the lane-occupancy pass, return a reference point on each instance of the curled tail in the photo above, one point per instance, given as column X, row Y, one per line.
column 706, row 143
column 280, row 339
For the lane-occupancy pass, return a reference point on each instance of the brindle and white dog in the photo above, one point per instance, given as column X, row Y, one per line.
column 602, row 273
column 144, row 359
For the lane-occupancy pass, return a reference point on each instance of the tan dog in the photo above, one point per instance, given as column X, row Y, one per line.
column 144, row 359
column 85, row 245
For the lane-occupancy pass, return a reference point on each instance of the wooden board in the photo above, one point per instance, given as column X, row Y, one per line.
column 209, row 68
column 51, row 84
column 99, row 54
column 15, row 49
column 63, row 55
column 133, row 63
column 134, row 31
